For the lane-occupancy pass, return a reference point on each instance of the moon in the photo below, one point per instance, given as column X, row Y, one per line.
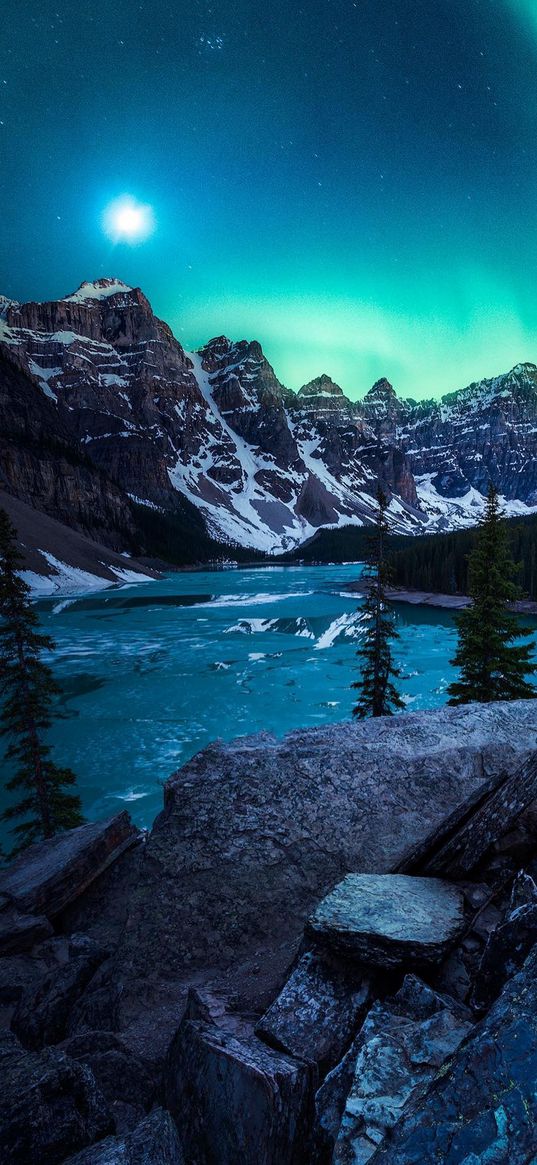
column 127, row 221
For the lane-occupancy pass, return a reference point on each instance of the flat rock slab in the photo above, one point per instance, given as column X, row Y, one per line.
column 236, row 1100
column 256, row 831
column 401, row 1046
column 52, row 873
column 389, row 920
column 318, row 1011
column 481, row 1108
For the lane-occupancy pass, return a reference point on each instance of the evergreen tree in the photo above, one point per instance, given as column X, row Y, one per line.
column 492, row 665
column 27, row 690
column 378, row 695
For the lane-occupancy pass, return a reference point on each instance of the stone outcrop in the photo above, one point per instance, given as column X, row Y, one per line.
column 154, row 1142
column 234, row 1099
column 455, row 851
column 186, row 971
column 50, row 1106
column 42, row 1014
column 320, row 1007
column 482, row 1106
column 20, row 932
column 388, row 920
column 257, row 831
column 508, row 945
column 127, row 1082
column 401, row 1046
column 52, row 873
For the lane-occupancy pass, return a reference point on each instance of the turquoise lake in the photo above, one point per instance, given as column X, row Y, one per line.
column 154, row 672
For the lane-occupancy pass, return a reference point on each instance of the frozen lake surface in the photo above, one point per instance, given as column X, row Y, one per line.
column 152, row 673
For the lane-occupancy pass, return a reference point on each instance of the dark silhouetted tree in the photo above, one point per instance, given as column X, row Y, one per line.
column 378, row 695
column 27, row 691
column 493, row 666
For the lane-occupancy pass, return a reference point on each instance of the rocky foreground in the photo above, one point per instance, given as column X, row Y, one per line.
column 325, row 951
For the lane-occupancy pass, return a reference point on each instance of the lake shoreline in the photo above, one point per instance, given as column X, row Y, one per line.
column 436, row 599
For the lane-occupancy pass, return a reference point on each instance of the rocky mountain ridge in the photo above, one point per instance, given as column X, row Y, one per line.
column 264, row 466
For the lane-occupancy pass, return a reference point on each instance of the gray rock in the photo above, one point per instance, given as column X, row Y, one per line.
column 234, row 1099
column 52, row 873
column 154, row 1141
column 482, row 1106
column 523, row 892
column 50, row 1106
column 97, row 1008
column 126, row 1081
column 20, row 973
column 389, row 920
column 42, row 1014
column 468, row 842
column 401, row 1046
column 256, row 831
column 20, row 932
column 318, row 1011
column 330, row 1101
column 507, row 949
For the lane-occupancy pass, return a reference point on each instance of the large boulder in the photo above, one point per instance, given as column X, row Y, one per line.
column 508, row 945
column 318, row 1011
column 234, row 1099
column 256, row 831
column 389, row 920
column 50, row 1106
column 52, row 873
column 401, row 1046
column 460, row 845
column 20, row 932
column 154, row 1141
column 42, row 1014
column 482, row 1106
column 126, row 1081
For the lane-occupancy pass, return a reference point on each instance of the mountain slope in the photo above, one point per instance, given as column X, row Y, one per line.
column 216, row 434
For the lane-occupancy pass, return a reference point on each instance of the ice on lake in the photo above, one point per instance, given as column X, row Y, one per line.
column 153, row 673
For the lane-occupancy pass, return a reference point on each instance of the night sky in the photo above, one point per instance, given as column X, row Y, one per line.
column 352, row 183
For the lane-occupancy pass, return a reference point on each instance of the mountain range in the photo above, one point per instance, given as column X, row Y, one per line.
column 104, row 415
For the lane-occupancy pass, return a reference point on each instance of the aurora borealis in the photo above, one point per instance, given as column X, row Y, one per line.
column 351, row 182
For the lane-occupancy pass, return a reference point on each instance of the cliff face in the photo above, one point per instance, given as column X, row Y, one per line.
column 265, row 467
column 43, row 464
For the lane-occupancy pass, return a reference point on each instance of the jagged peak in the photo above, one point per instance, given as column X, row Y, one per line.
column 98, row 289
column 5, row 303
column 523, row 369
column 381, row 390
column 225, row 352
column 322, row 385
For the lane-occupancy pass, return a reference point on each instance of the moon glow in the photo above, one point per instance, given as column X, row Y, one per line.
column 127, row 221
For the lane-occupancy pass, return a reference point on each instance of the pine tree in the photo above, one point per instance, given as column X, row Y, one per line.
column 492, row 665
column 378, row 695
column 27, row 690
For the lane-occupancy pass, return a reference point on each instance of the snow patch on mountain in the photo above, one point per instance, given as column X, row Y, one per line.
column 99, row 289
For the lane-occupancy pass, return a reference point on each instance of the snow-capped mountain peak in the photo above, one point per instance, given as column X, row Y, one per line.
column 99, row 289
column 263, row 465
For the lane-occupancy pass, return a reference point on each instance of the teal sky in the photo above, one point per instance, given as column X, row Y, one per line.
column 352, row 183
